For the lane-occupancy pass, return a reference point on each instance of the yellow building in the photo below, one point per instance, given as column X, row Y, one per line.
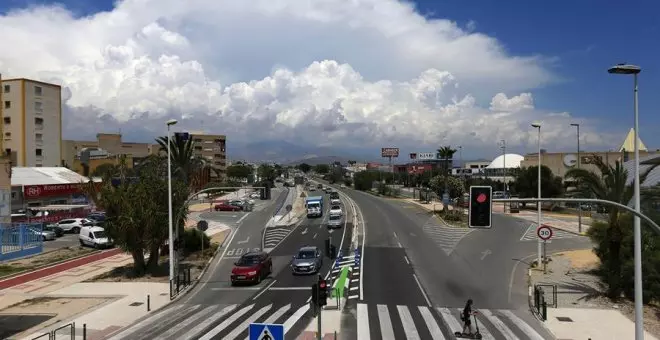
column 94, row 162
column 110, row 142
column 32, row 122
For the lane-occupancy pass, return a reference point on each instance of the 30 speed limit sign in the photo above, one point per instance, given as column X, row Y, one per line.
column 544, row 232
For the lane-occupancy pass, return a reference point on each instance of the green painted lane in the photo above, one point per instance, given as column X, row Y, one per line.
column 339, row 284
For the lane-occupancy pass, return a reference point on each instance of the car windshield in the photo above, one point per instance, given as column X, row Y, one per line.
column 335, row 207
column 335, row 218
column 313, row 205
column 100, row 234
column 305, row 254
column 247, row 261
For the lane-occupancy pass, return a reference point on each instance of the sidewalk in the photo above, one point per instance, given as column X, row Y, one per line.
column 283, row 218
column 582, row 312
column 208, row 206
column 567, row 223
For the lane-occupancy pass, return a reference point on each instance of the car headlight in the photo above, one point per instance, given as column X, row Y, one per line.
column 254, row 272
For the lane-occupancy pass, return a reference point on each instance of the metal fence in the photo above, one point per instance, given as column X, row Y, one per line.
column 67, row 331
column 20, row 240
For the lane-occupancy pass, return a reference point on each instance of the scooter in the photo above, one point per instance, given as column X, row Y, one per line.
column 475, row 335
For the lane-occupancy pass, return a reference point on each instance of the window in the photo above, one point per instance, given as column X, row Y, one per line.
column 37, row 90
column 38, row 152
column 39, row 136
column 13, row 193
column 7, row 104
column 7, row 88
column 39, row 121
column 7, row 120
column 8, row 151
column 38, row 106
column 7, row 134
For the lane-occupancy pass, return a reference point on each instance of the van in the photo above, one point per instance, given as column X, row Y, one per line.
column 94, row 236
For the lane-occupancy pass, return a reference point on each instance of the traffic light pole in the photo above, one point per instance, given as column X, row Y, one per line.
column 319, row 335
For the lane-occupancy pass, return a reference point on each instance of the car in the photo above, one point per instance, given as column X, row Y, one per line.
column 252, row 267
column 343, row 186
column 59, row 232
column 72, row 225
column 94, row 237
column 226, row 207
column 46, row 235
column 328, row 190
column 96, row 216
column 335, row 221
column 308, row 260
column 336, row 210
column 255, row 195
column 312, row 189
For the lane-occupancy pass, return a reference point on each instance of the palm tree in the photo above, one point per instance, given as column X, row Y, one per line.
column 446, row 153
column 186, row 166
column 612, row 185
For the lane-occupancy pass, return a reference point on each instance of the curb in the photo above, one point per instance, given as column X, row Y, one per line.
column 36, row 274
column 7, row 277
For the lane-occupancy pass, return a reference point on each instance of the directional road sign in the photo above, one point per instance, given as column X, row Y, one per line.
column 263, row 331
column 203, row 225
column 544, row 232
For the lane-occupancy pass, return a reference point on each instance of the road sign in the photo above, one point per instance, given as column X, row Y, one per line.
column 202, row 225
column 480, row 209
column 289, row 207
column 544, row 232
column 264, row 331
column 445, row 199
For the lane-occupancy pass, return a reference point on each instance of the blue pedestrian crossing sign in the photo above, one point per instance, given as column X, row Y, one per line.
column 264, row 331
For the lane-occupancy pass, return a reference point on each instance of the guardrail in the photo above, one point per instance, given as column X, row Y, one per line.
column 180, row 282
column 540, row 305
column 67, row 331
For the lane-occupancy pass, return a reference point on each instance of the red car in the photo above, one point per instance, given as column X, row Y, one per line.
column 226, row 207
column 252, row 267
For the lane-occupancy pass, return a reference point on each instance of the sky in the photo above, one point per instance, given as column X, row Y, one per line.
column 348, row 75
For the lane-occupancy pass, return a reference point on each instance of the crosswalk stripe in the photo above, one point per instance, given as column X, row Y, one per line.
column 452, row 322
column 408, row 323
column 527, row 329
column 431, row 324
column 485, row 333
column 508, row 334
column 288, row 324
column 215, row 331
column 185, row 323
column 192, row 333
column 246, row 323
column 363, row 322
column 386, row 330
column 144, row 322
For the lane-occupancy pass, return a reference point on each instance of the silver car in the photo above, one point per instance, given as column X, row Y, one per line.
column 335, row 221
column 308, row 261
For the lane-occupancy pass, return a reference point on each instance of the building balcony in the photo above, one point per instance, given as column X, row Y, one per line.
column 39, row 142
column 38, row 127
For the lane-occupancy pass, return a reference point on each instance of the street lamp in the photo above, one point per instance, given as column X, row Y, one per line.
column 578, row 166
column 538, row 205
column 628, row 69
column 169, row 200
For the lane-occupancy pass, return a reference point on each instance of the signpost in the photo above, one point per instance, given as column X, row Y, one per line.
column 288, row 208
column 264, row 331
column 202, row 226
column 544, row 232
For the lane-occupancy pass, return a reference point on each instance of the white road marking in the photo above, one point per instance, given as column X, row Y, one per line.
column 295, row 317
column 408, row 323
column 264, row 290
column 386, row 330
column 419, row 284
column 193, row 332
column 527, row 329
column 431, row 324
column 450, row 319
column 145, row 322
column 508, row 334
column 246, row 323
column 187, row 322
column 363, row 322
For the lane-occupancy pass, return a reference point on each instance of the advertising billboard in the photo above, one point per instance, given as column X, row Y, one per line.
column 413, row 155
column 389, row 152
column 426, row 156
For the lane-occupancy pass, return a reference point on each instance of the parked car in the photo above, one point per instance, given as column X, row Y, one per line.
column 54, row 228
column 96, row 216
column 252, row 267
column 94, row 237
column 226, row 207
column 308, row 260
column 72, row 225
column 46, row 235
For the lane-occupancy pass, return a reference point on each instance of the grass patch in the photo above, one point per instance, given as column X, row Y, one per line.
column 454, row 218
column 41, row 260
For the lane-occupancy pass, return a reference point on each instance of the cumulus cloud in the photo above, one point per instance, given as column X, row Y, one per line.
column 326, row 72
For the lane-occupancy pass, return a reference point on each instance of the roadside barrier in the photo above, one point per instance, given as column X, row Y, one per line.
column 540, row 307
column 180, row 282
column 67, row 331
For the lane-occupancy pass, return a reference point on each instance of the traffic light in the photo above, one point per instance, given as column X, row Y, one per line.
column 323, row 293
column 481, row 207
column 315, row 294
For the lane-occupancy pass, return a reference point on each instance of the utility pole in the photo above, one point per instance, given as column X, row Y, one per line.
column 578, row 166
column 504, row 166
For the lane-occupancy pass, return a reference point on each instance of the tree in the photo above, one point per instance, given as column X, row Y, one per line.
column 267, row 172
column 322, row 169
column 239, row 171
column 304, row 167
column 137, row 210
column 526, row 181
column 446, row 153
column 364, row 180
column 441, row 183
column 610, row 184
column 186, row 167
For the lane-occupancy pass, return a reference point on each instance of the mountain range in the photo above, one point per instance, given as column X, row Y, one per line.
column 284, row 152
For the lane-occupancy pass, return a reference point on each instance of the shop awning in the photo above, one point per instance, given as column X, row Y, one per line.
column 59, row 207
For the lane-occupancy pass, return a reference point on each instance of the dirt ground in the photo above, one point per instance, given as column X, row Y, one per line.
column 585, row 260
column 196, row 261
column 28, row 263
column 61, row 308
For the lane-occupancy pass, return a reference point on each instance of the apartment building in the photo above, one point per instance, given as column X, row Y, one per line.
column 31, row 122
column 213, row 148
column 110, row 143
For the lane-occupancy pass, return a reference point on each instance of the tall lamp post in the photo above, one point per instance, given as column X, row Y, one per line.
column 627, row 69
column 538, row 205
column 578, row 166
column 169, row 200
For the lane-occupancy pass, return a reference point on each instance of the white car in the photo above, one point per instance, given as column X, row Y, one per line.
column 72, row 225
column 336, row 210
column 335, row 201
column 94, row 237
column 255, row 195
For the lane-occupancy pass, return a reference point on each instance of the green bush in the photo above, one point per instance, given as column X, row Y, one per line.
column 453, row 215
column 348, row 182
column 192, row 240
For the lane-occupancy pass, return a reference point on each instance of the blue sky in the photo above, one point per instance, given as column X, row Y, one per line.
column 585, row 37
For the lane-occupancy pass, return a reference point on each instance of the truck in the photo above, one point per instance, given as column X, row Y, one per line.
column 314, row 206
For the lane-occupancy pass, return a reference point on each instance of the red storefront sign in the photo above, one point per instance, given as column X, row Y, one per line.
column 50, row 190
column 54, row 216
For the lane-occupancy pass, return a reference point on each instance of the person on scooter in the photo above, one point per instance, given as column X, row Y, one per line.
column 467, row 315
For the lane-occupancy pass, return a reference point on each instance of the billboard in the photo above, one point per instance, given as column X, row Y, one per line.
column 427, row 156
column 413, row 155
column 389, row 152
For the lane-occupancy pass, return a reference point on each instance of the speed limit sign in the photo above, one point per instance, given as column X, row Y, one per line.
column 544, row 232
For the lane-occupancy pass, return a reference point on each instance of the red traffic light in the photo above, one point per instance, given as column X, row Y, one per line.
column 481, row 198
column 322, row 284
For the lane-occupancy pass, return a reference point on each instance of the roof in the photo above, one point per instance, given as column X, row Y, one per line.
column 45, row 175
column 629, row 143
column 314, row 198
column 512, row 161
column 308, row 248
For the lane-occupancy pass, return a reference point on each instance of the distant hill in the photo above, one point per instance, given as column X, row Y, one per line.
column 316, row 160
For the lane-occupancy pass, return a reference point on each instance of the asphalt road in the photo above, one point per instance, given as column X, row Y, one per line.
column 67, row 240
column 416, row 280
column 216, row 310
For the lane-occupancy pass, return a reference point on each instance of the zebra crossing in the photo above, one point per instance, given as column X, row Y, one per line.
column 274, row 235
column 352, row 281
column 530, row 234
column 446, row 237
column 422, row 322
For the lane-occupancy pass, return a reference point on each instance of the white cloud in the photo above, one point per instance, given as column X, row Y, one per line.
column 324, row 72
